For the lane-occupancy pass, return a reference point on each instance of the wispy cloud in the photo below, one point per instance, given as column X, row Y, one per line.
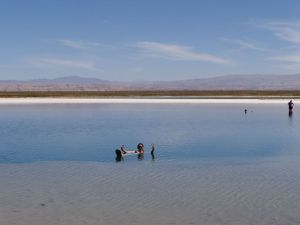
column 287, row 31
column 286, row 58
column 77, row 64
column 244, row 44
column 178, row 52
column 82, row 45
column 294, row 67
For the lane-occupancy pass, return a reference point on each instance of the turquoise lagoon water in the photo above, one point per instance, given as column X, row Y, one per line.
column 213, row 164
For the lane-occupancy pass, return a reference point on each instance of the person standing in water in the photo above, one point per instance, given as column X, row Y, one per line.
column 291, row 105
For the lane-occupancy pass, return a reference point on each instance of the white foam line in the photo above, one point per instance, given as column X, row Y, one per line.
column 138, row 101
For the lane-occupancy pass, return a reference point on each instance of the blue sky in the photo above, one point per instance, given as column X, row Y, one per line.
column 148, row 40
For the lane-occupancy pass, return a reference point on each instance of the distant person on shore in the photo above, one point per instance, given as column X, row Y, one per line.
column 291, row 105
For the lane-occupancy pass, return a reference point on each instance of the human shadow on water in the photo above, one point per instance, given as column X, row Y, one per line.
column 153, row 156
column 291, row 117
column 140, row 156
column 290, row 113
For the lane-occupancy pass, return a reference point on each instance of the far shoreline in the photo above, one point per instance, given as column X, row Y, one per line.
column 150, row 96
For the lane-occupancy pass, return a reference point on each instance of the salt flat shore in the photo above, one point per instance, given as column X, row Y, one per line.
column 163, row 100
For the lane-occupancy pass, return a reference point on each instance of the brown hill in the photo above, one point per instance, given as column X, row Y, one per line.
column 228, row 82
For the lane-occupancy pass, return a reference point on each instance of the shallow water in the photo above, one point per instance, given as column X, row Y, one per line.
column 213, row 164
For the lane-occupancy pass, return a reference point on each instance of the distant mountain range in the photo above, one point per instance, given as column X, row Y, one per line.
column 227, row 82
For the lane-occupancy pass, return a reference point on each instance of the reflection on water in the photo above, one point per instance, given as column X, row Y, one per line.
column 92, row 132
column 140, row 157
column 290, row 113
column 213, row 165
column 152, row 156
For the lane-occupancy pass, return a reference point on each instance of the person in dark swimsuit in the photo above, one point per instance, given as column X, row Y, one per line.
column 291, row 105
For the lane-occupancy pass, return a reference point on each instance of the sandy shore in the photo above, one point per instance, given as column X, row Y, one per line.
column 140, row 100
